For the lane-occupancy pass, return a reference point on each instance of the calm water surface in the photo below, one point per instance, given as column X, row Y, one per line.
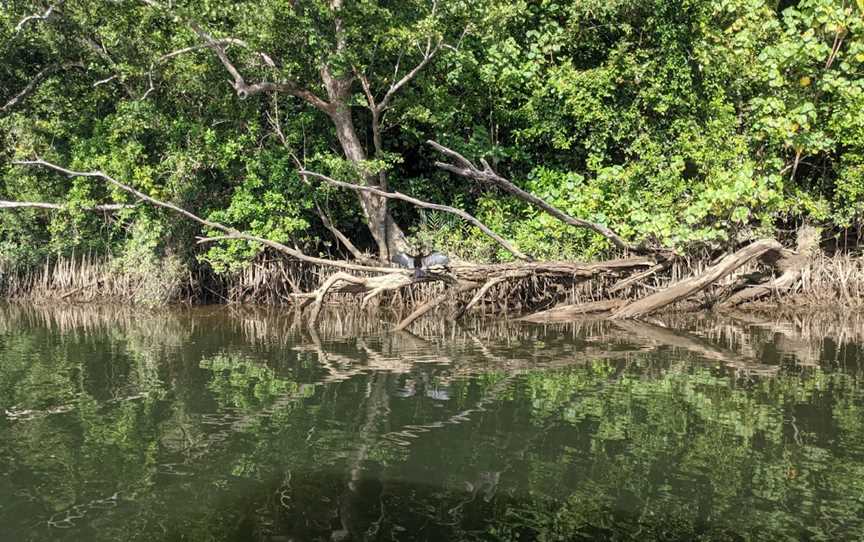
column 212, row 424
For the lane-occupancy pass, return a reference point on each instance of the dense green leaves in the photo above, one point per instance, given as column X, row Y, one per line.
column 681, row 121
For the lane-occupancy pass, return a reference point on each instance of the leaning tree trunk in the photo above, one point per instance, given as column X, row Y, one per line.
column 386, row 233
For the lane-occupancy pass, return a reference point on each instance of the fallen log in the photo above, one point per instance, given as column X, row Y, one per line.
column 790, row 264
column 466, row 278
column 687, row 287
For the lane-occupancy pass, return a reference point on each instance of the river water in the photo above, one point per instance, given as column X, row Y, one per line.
column 214, row 424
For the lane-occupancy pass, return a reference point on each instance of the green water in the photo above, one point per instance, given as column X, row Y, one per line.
column 217, row 424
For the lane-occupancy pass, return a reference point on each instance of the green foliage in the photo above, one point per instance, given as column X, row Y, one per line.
column 678, row 121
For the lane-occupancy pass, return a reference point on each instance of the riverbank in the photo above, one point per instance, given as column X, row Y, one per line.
column 826, row 282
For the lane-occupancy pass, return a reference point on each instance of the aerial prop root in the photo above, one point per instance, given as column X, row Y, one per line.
column 461, row 279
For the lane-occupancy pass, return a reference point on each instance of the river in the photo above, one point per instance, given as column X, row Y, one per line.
column 227, row 424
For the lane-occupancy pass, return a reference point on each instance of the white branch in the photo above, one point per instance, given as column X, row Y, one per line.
column 31, row 86
column 394, row 88
column 420, row 203
column 35, row 17
column 56, row 206
column 231, row 232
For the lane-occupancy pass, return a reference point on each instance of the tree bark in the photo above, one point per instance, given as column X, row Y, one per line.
column 692, row 285
column 387, row 234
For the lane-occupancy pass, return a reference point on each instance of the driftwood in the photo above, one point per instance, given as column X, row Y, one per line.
column 790, row 264
column 687, row 287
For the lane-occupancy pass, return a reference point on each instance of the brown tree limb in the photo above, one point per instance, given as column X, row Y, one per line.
column 687, row 287
column 433, row 303
column 231, row 232
column 419, row 203
column 465, row 168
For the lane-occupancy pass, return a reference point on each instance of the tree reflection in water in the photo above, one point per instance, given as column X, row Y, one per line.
column 194, row 425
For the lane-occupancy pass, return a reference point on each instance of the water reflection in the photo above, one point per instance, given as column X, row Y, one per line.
column 225, row 424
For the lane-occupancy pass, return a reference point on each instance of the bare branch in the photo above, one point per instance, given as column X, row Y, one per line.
column 325, row 219
column 220, row 41
column 394, row 88
column 244, row 89
column 241, row 87
column 465, row 168
column 419, row 203
column 231, row 232
column 462, row 287
column 35, row 17
column 43, row 205
column 104, row 81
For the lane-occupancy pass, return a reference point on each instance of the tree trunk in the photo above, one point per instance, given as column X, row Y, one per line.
column 387, row 234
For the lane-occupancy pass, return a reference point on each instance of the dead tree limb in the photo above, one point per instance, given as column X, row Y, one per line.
column 420, row 203
column 465, row 168
column 322, row 291
column 56, row 206
column 575, row 270
column 479, row 295
column 433, row 303
column 790, row 264
column 244, row 90
column 563, row 313
column 231, row 233
column 44, row 16
column 692, row 285
column 633, row 279
column 325, row 219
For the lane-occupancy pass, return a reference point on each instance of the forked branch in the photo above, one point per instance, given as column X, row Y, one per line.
column 420, row 203
column 465, row 168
